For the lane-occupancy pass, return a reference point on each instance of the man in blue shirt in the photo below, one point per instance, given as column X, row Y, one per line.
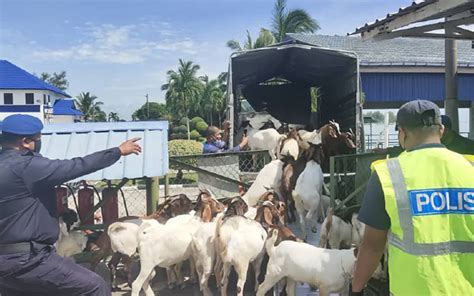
column 215, row 144
column 29, row 226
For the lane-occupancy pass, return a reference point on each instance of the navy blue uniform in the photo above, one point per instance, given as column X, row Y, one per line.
column 28, row 214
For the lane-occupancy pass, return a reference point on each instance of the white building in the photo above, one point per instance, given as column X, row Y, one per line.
column 24, row 93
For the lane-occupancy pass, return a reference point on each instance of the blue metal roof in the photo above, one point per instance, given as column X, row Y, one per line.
column 403, row 87
column 64, row 141
column 66, row 107
column 13, row 77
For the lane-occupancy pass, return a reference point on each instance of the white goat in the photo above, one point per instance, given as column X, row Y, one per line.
column 290, row 148
column 309, row 137
column 307, row 195
column 268, row 178
column 338, row 234
column 267, row 139
column 69, row 242
column 239, row 242
column 204, row 254
column 163, row 246
column 330, row 270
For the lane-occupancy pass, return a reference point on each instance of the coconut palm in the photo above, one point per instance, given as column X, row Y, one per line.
column 265, row 38
column 291, row 21
column 114, row 117
column 183, row 90
column 89, row 106
column 212, row 98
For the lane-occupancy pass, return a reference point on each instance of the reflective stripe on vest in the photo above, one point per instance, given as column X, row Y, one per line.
column 408, row 244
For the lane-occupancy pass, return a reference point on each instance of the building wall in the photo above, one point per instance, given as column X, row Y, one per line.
column 19, row 105
column 63, row 119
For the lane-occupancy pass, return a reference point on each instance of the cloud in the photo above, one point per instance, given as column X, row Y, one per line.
column 127, row 44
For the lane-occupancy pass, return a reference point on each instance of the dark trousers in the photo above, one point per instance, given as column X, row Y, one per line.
column 47, row 274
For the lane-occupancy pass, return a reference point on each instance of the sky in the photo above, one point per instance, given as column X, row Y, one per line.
column 120, row 50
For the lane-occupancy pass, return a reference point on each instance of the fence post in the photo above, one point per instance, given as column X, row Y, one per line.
column 332, row 180
column 167, row 185
column 152, row 194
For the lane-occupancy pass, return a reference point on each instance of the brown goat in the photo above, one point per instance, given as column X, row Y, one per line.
column 172, row 207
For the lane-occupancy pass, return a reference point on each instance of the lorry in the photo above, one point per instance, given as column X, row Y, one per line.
column 296, row 83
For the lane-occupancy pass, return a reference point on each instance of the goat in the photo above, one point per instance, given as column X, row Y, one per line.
column 174, row 206
column 339, row 234
column 289, row 146
column 70, row 242
column 267, row 139
column 169, row 244
column 239, row 242
column 330, row 270
column 308, row 189
column 269, row 177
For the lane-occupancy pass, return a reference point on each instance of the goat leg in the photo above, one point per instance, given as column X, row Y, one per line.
column 112, row 265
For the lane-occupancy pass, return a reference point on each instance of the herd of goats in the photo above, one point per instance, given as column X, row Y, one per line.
column 215, row 235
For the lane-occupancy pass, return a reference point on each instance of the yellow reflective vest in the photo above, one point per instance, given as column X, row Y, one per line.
column 429, row 197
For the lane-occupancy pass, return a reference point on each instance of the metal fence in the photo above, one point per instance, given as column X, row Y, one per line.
column 225, row 174
column 349, row 175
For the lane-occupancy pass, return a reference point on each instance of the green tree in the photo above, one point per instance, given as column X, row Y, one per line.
column 377, row 116
column 265, row 38
column 212, row 99
column 151, row 111
column 56, row 79
column 90, row 107
column 183, row 90
column 286, row 21
column 113, row 117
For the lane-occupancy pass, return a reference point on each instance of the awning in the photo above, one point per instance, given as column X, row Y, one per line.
column 65, row 141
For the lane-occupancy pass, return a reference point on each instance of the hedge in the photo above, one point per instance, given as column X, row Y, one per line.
column 184, row 147
column 182, row 129
column 183, row 121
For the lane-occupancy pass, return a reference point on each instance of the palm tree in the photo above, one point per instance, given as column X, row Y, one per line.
column 88, row 105
column 212, row 97
column 265, row 38
column 114, row 117
column 183, row 90
column 291, row 21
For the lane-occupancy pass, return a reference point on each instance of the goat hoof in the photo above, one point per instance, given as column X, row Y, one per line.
column 171, row 286
column 182, row 286
column 314, row 230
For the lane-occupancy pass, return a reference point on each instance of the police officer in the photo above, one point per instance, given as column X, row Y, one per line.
column 423, row 201
column 29, row 227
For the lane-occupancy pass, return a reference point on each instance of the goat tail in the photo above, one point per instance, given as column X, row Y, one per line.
column 270, row 242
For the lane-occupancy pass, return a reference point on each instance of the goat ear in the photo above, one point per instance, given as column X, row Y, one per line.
column 356, row 252
column 332, row 132
column 267, row 216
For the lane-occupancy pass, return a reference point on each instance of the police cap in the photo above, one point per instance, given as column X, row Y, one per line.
column 418, row 113
column 23, row 125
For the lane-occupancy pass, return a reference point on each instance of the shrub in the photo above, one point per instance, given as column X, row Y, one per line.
column 182, row 129
column 202, row 140
column 175, row 130
column 201, row 128
column 183, row 136
column 173, row 136
column 194, row 121
column 184, row 147
column 194, row 135
column 183, row 121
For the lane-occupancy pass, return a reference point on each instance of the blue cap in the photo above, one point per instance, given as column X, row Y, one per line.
column 19, row 124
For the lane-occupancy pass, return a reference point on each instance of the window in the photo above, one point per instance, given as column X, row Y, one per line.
column 49, row 99
column 8, row 99
column 45, row 102
column 29, row 99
